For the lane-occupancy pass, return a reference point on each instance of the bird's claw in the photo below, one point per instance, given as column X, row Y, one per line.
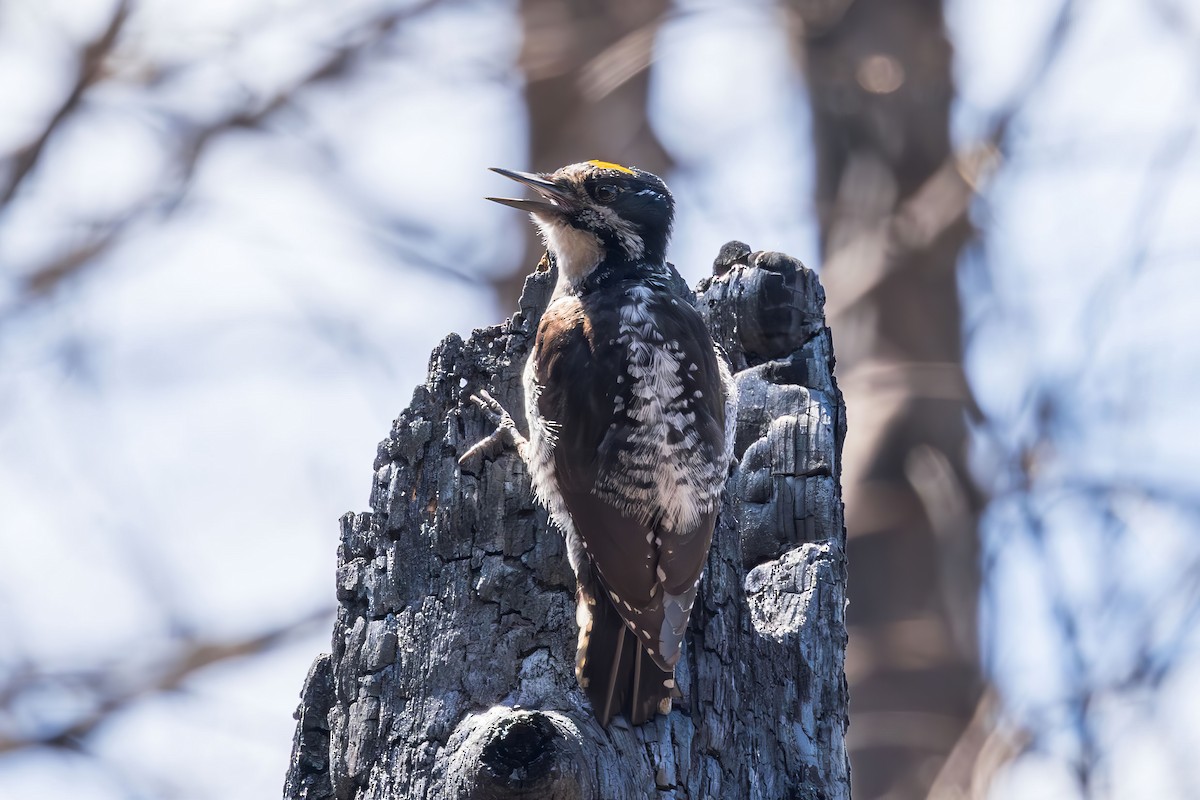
column 492, row 409
column 505, row 436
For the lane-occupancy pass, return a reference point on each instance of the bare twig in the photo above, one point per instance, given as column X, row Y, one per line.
column 196, row 140
column 111, row 691
column 89, row 70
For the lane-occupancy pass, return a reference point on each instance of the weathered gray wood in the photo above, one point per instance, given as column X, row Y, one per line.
column 452, row 672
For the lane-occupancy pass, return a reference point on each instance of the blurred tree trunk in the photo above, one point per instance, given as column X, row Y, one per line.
column 452, row 672
column 892, row 215
column 586, row 81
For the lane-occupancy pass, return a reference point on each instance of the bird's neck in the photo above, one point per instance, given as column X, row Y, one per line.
column 615, row 273
column 585, row 261
column 577, row 253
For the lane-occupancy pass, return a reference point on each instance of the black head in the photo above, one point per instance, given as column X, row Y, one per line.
column 622, row 212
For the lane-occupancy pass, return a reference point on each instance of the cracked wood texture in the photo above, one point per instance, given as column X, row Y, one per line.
column 452, row 671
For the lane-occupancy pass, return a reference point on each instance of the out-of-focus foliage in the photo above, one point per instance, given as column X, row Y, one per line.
column 231, row 232
column 230, row 235
column 1083, row 354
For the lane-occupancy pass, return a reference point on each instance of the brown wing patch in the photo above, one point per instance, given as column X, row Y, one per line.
column 617, row 546
column 563, row 343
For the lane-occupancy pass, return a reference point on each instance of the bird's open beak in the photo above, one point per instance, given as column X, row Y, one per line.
column 554, row 198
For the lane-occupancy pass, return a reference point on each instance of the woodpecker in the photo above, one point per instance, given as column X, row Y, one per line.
column 630, row 409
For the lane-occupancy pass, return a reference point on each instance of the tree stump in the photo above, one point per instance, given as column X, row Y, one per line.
column 452, row 671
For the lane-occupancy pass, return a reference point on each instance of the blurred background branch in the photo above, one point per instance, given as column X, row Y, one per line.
column 230, row 234
column 101, row 692
column 191, row 137
column 90, row 70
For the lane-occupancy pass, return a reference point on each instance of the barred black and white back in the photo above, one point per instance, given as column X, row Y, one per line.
column 629, row 406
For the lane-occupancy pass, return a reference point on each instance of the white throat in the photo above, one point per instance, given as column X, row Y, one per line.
column 576, row 252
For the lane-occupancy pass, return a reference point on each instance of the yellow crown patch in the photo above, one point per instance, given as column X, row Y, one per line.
column 610, row 165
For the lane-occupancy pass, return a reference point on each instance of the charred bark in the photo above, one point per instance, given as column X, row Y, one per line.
column 452, row 672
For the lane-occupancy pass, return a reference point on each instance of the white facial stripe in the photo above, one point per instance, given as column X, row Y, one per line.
column 627, row 236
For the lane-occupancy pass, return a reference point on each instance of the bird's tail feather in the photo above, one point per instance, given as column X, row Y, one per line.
column 614, row 669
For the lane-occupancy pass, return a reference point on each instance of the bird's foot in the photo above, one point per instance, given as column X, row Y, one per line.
column 504, row 437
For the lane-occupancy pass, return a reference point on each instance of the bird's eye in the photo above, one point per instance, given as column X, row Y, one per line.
column 606, row 193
